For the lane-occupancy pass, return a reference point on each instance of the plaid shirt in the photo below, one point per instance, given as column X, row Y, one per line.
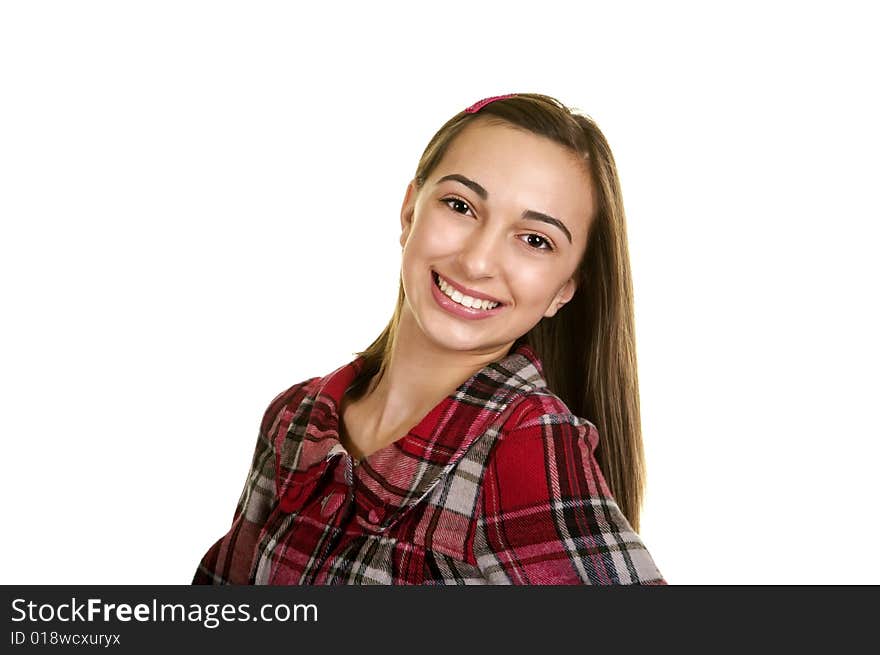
column 495, row 485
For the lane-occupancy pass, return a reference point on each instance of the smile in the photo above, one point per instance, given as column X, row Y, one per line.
column 460, row 304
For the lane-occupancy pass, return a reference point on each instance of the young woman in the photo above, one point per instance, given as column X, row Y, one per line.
column 491, row 433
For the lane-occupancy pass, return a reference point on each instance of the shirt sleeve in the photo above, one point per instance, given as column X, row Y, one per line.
column 230, row 559
column 546, row 515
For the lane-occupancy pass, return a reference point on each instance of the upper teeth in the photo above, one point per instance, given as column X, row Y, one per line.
column 467, row 301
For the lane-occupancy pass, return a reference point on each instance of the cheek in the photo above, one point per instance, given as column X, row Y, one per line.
column 434, row 236
column 530, row 282
column 533, row 287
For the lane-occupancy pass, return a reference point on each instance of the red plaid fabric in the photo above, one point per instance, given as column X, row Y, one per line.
column 496, row 485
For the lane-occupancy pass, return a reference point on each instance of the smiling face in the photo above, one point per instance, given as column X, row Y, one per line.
column 502, row 218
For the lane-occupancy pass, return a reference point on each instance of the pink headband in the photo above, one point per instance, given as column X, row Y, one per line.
column 477, row 106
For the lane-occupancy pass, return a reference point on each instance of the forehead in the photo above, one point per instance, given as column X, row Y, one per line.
column 522, row 170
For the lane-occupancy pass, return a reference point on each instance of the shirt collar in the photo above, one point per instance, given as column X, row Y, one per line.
column 399, row 475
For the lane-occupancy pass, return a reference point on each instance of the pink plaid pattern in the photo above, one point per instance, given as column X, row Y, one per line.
column 495, row 485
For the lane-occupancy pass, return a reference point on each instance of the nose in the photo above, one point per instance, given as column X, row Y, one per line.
column 480, row 255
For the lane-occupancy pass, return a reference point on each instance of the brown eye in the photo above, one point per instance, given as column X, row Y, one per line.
column 538, row 242
column 455, row 203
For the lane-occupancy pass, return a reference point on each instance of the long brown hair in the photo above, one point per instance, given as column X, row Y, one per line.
column 588, row 348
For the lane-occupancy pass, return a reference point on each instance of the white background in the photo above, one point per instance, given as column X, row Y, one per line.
column 200, row 207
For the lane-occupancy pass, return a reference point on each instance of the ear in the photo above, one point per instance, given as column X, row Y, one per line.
column 407, row 211
column 565, row 294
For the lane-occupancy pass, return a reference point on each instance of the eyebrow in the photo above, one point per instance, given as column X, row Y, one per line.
column 484, row 195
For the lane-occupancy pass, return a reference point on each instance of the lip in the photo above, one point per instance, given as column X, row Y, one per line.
column 465, row 291
column 460, row 310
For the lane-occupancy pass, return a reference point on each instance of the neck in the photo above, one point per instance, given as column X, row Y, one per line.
column 419, row 375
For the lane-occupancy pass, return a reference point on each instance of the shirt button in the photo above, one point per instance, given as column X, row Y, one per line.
column 331, row 504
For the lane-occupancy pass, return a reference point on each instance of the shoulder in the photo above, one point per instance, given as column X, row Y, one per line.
column 542, row 414
column 286, row 404
column 543, row 440
column 545, row 513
